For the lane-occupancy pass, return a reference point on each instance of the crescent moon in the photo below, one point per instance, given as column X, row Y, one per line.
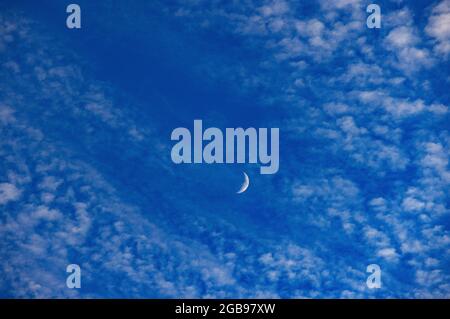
column 245, row 184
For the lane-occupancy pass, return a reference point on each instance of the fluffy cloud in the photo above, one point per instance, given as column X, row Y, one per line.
column 438, row 27
column 410, row 57
column 8, row 193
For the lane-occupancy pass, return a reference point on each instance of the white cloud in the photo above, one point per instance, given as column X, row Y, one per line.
column 399, row 107
column 402, row 37
column 275, row 7
column 376, row 237
column 389, row 254
column 404, row 41
column 6, row 114
column 8, row 193
column 339, row 4
column 362, row 74
column 310, row 28
column 44, row 213
column 428, row 278
column 412, row 204
column 378, row 204
column 438, row 27
column 401, row 17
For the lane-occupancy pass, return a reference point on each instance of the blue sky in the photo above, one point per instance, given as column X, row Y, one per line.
column 86, row 175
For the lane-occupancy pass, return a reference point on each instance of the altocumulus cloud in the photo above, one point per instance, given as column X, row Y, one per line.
column 365, row 180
